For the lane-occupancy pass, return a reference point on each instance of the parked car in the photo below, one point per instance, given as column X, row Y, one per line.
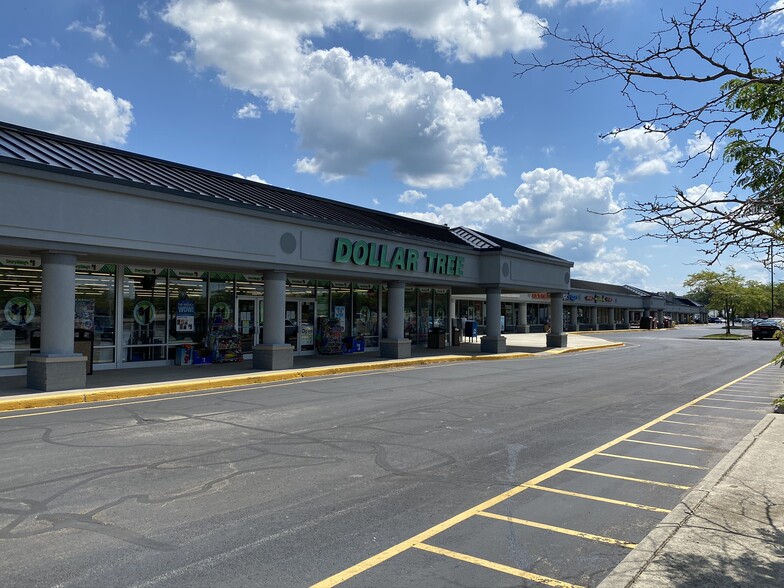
column 766, row 329
column 715, row 319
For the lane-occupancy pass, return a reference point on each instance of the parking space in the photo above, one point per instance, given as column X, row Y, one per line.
column 573, row 524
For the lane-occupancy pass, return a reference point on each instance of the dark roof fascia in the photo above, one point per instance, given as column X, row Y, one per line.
column 598, row 287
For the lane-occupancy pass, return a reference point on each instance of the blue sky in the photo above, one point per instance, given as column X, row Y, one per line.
column 406, row 106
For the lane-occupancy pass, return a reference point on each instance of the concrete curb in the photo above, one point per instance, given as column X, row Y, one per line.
column 33, row 400
column 626, row 572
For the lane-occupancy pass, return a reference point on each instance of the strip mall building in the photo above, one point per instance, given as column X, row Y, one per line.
column 146, row 258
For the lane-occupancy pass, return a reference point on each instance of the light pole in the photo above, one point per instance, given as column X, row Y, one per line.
column 771, row 278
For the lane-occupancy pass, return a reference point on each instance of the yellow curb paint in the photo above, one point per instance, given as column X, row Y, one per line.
column 495, row 566
column 198, row 384
column 562, row 530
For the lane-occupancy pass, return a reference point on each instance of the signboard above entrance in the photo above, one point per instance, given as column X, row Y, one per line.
column 400, row 258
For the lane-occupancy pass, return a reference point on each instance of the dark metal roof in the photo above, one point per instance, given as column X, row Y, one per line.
column 487, row 242
column 65, row 155
column 601, row 287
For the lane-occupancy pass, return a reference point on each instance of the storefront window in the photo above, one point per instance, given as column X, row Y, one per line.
column 426, row 318
column 221, row 297
column 95, row 308
column 341, row 309
column 20, row 304
column 187, row 309
column 441, row 309
column 366, row 314
column 144, row 314
column 410, row 315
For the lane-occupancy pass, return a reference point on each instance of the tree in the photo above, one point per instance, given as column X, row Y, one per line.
column 723, row 290
column 732, row 56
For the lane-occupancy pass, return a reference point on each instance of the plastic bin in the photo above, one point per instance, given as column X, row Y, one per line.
column 436, row 338
column 455, row 336
column 84, row 340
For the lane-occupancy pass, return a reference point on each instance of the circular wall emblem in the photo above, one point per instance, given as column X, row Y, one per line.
column 288, row 243
column 144, row 313
column 19, row 311
column 505, row 269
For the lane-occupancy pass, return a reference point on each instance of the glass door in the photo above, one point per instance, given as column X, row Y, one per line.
column 300, row 325
column 307, row 326
column 249, row 313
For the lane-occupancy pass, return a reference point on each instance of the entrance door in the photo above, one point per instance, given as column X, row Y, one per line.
column 300, row 325
column 250, row 315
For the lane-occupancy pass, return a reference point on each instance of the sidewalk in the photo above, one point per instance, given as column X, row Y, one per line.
column 728, row 531
column 148, row 381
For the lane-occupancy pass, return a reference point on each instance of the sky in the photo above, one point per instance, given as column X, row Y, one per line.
column 406, row 106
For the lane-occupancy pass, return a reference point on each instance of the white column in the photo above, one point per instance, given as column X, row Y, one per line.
column 556, row 337
column 274, row 308
column 274, row 353
column 493, row 319
column 397, row 297
column 57, row 367
column 522, row 312
column 58, row 303
column 573, row 317
column 594, row 316
column 396, row 346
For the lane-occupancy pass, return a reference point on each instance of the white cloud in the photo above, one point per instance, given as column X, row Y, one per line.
column 351, row 111
column 99, row 60
column 411, row 196
column 54, row 99
column 548, row 203
column 612, row 266
column 700, row 144
column 98, row 32
column 639, row 153
column 252, row 177
column 23, row 42
column 249, row 110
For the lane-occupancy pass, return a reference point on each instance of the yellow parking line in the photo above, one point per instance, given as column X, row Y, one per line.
column 672, row 463
column 394, row 550
column 597, row 498
column 629, row 479
column 562, row 530
column 663, row 445
column 495, row 566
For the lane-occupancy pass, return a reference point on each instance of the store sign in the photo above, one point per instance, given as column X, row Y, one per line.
column 401, row 258
column 598, row 298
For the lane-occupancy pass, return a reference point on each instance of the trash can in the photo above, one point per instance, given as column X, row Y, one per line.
column 84, row 343
column 455, row 336
column 436, row 338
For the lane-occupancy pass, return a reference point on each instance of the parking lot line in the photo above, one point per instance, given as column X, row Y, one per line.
column 663, row 445
column 681, row 434
column 495, row 566
column 722, row 399
column 417, row 540
column 725, row 407
column 628, row 478
column 671, row 463
column 597, row 498
column 562, row 530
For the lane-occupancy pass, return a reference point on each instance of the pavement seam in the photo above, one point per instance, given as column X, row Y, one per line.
column 634, row 564
column 37, row 400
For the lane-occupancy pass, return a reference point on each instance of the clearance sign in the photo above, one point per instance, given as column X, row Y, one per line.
column 400, row 258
